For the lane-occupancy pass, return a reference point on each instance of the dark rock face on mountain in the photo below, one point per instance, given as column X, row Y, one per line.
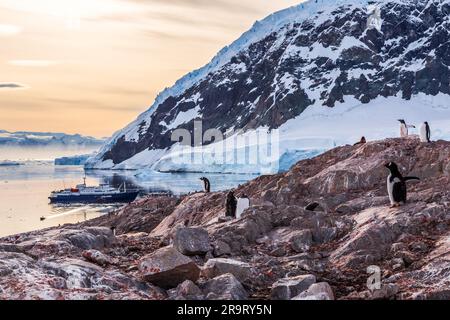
column 317, row 53
column 352, row 246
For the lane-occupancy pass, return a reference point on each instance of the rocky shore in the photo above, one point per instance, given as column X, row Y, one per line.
column 180, row 248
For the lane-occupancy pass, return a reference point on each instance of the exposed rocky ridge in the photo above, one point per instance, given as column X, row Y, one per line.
column 319, row 53
column 285, row 250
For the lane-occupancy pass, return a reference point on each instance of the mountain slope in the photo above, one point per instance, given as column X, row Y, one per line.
column 324, row 73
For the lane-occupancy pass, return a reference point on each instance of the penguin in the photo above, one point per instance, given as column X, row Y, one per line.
column 425, row 132
column 207, row 185
column 396, row 185
column 312, row 206
column 243, row 203
column 404, row 128
column 362, row 141
column 113, row 230
column 231, row 205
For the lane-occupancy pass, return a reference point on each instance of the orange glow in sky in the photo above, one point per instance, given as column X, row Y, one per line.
column 91, row 66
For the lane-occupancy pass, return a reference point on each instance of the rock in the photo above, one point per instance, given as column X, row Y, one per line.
column 7, row 247
column 286, row 289
column 399, row 246
column 221, row 249
column 278, row 252
column 225, row 219
column 397, row 264
column 187, row 290
column 167, row 268
column 344, row 209
column 192, row 241
column 387, row 291
column 89, row 238
column 225, row 287
column 216, row 267
column 419, row 246
column 302, row 241
column 407, row 257
column 317, row 291
column 97, row 257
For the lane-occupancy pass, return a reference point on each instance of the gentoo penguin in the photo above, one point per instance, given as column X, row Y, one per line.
column 396, row 185
column 362, row 141
column 404, row 128
column 425, row 132
column 243, row 203
column 206, row 184
column 312, row 206
column 231, row 205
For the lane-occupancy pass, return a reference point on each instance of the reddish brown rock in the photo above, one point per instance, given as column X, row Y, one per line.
column 167, row 268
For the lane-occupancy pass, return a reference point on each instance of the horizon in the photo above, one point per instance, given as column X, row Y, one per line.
column 69, row 70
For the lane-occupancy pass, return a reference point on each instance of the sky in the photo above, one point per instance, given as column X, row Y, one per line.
column 92, row 66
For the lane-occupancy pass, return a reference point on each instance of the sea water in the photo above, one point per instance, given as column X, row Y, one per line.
column 24, row 192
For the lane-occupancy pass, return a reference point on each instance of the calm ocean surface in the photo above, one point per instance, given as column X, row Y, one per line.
column 24, row 192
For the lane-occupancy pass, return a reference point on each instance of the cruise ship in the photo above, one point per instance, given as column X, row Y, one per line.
column 95, row 194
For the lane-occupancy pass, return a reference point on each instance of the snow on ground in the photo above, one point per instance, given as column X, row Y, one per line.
column 141, row 160
column 183, row 117
column 317, row 129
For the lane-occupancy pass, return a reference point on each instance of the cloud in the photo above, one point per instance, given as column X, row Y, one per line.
column 220, row 5
column 8, row 30
column 34, row 63
column 11, row 86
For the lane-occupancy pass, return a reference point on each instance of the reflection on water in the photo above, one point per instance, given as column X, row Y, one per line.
column 25, row 190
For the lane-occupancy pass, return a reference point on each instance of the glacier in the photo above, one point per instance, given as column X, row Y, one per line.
column 318, row 128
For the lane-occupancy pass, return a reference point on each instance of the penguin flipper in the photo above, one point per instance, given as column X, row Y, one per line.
column 411, row 178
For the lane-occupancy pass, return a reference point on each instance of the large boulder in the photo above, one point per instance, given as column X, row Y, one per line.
column 221, row 249
column 302, row 241
column 225, row 287
column 167, row 268
column 192, row 241
column 89, row 238
column 219, row 266
column 317, row 291
column 288, row 288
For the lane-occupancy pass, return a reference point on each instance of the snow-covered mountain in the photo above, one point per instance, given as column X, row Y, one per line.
column 323, row 73
column 46, row 139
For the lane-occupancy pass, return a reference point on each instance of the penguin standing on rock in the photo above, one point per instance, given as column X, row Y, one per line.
column 404, row 128
column 361, row 142
column 206, row 185
column 231, row 205
column 396, row 185
column 425, row 132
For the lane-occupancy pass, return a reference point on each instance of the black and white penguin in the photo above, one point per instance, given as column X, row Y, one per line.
column 425, row 132
column 231, row 205
column 396, row 185
column 404, row 128
column 243, row 203
column 361, row 142
column 206, row 185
